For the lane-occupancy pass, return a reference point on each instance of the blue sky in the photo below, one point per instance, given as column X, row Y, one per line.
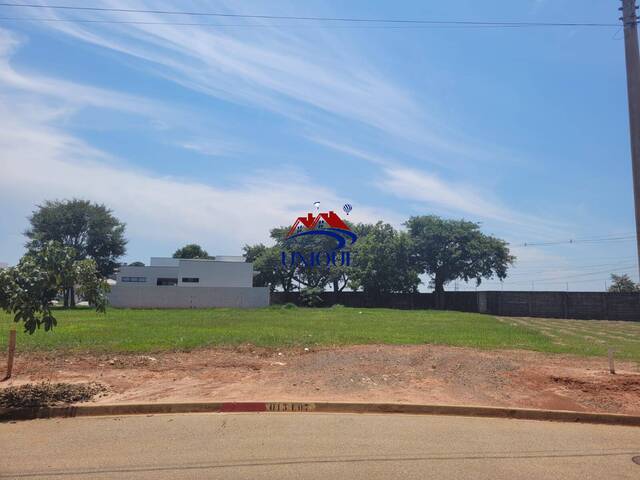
column 215, row 134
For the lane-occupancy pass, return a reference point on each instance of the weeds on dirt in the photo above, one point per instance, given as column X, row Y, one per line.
column 48, row 394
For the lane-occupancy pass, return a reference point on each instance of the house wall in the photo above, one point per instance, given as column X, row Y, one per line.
column 216, row 274
column 211, row 273
column 164, row 262
column 151, row 274
column 188, row 297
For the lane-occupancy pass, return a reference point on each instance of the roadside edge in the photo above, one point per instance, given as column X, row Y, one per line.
column 8, row 414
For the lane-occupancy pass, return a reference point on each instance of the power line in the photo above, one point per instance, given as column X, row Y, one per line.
column 596, row 239
column 255, row 25
column 519, row 271
column 315, row 18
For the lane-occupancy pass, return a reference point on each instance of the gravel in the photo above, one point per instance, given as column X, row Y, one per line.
column 48, row 394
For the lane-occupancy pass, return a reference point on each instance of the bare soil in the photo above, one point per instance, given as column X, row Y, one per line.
column 371, row 373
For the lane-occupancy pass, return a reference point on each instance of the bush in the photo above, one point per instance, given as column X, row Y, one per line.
column 289, row 306
column 310, row 297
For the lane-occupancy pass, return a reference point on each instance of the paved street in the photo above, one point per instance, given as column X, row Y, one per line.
column 292, row 446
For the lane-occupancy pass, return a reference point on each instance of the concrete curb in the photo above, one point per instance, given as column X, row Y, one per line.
column 8, row 414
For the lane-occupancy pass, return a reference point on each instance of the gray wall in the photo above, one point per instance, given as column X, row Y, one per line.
column 211, row 273
column 217, row 274
column 150, row 273
column 134, row 296
column 580, row 305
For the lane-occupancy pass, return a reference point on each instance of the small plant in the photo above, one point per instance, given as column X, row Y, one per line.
column 338, row 305
column 289, row 306
column 310, row 297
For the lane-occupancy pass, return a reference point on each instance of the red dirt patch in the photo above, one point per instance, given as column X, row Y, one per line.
column 376, row 373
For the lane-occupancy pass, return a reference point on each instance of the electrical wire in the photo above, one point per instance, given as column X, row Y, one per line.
column 314, row 18
column 255, row 25
column 592, row 240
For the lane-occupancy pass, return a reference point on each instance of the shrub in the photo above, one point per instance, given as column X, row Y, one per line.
column 310, row 297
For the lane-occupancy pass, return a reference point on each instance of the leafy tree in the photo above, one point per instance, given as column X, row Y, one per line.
column 272, row 273
column 451, row 249
column 90, row 229
column 191, row 250
column 310, row 296
column 28, row 289
column 256, row 254
column 623, row 284
column 136, row 264
column 383, row 263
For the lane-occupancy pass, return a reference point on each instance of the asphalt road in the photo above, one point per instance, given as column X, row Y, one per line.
column 307, row 445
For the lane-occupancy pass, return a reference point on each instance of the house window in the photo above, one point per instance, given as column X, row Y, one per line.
column 190, row 280
column 134, row 279
column 164, row 282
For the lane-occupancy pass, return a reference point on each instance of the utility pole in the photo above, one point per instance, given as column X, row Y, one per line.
column 632, row 59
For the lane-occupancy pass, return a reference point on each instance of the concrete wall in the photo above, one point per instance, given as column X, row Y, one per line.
column 579, row 305
column 150, row 273
column 141, row 296
column 217, row 274
column 211, row 273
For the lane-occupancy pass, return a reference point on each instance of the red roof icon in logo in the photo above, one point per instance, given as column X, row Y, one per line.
column 322, row 220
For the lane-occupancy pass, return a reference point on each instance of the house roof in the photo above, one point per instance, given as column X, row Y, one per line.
column 311, row 222
column 306, row 221
column 332, row 219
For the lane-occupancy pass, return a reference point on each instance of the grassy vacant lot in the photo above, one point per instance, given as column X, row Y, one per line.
column 121, row 330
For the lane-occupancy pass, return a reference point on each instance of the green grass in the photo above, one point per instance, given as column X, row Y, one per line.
column 121, row 330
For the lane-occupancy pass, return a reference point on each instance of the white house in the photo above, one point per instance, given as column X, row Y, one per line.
column 188, row 283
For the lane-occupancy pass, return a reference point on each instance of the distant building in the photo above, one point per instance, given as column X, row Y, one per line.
column 188, row 283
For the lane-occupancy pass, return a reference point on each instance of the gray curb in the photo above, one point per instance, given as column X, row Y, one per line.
column 7, row 414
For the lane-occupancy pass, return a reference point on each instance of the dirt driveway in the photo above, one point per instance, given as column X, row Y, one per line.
column 378, row 373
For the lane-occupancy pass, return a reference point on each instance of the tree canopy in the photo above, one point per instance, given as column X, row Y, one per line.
column 28, row 289
column 192, row 250
column 623, row 284
column 382, row 262
column 89, row 228
column 447, row 250
column 385, row 260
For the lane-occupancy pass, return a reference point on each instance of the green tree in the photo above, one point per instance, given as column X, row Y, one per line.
column 623, row 284
column 136, row 264
column 28, row 289
column 90, row 229
column 451, row 249
column 382, row 262
column 192, row 250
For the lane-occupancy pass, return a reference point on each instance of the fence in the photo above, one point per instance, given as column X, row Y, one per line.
column 579, row 305
column 187, row 297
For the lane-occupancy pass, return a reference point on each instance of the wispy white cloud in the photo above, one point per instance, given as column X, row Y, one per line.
column 41, row 161
column 73, row 94
column 311, row 78
column 210, row 148
column 452, row 198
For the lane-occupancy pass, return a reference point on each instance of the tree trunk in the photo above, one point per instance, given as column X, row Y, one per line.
column 439, row 291
column 72, row 297
column 65, row 297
